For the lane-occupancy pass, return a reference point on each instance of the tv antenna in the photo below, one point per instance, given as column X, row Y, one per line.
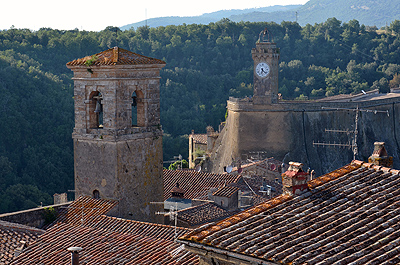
column 173, row 215
column 353, row 144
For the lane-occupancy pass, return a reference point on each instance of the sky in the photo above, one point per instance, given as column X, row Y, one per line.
column 96, row 15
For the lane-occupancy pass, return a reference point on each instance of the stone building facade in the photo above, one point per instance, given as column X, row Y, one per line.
column 117, row 135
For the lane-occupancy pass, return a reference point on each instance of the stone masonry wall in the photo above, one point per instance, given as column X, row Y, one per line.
column 287, row 132
column 32, row 217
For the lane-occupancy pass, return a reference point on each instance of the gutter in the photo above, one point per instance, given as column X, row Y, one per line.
column 240, row 258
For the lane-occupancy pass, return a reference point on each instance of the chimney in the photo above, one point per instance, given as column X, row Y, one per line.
column 74, row 255
column 60, row 198
column 294, row 180
column 177, row 192
column 380, row 157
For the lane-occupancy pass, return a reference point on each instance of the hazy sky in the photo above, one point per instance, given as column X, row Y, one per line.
column 98, row 14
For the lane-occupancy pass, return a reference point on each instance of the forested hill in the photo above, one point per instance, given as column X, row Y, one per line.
column 205, row 65
column 368, row 12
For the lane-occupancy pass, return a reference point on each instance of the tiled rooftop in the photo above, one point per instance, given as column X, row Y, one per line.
column 11, row 235
column 226, row 191
column 271, row 164
column 115, row 56
column 348, row 216
column 204, row 213
column 195, row 184
column 83, row 210
column 106, row 239
column 137, row 228
column 102, row 247
column 199, row 138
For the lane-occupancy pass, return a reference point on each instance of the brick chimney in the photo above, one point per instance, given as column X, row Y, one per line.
column 74, row 255
column 177, row 192
column 380, row 157
column 294, row 180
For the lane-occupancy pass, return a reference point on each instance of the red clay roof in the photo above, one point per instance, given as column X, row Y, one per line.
column 11, row 235
column 195, row 184
column 105, row 239
column 115, row 56
column 226, row 191
column 102, row 247
column 349, row 216
column 271, row 164
column 199, row 138
column 83, row 210
column 137, row 228
column 204, row 213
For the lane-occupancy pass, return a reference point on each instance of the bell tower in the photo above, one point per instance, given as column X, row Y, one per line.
column 266, row 69
column 117, row 135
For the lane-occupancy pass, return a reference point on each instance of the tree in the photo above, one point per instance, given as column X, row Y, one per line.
column 179, row 165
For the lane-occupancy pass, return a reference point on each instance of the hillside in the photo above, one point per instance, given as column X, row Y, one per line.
column 206, row 64
column 368, row 12
column 208, row 17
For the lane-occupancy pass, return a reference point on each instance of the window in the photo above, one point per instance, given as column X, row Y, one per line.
column 138, row 109
column 96, row 110
column 96, row 194
column 134, row 109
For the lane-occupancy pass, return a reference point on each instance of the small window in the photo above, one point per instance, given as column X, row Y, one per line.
column 134, row 109
column 96, row 194
column 96, row 110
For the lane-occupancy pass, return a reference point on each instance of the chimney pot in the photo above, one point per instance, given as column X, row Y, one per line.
column 74, row 254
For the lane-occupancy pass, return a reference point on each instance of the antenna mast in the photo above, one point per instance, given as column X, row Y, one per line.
column 353, row 145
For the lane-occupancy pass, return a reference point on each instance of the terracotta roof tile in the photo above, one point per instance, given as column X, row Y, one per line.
column 11, row 235
column 349, row 216
column 195, row 184
column 204, row 213
column 199, row 138
column 226, row 191
column 83, row 210
column 115, row 56
column 270, row 164
column 106, row 239
column 102, row 247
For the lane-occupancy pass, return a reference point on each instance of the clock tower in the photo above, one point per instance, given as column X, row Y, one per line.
column 266, row 68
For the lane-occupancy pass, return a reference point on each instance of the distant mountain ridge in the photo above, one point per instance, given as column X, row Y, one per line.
column 367, row 12
column 208, row 17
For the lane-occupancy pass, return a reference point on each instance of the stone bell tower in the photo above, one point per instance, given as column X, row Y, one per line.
column 117, row 135
column 266, row 69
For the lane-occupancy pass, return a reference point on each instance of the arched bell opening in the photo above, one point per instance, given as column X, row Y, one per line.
column 138, row 109
column 95, row 110
column 134, row 109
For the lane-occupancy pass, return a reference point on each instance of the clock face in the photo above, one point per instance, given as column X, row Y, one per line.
column 262, row 69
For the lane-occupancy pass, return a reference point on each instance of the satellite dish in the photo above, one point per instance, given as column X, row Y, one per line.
column 229, row 169
column 198, row 168
column 273, row 167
